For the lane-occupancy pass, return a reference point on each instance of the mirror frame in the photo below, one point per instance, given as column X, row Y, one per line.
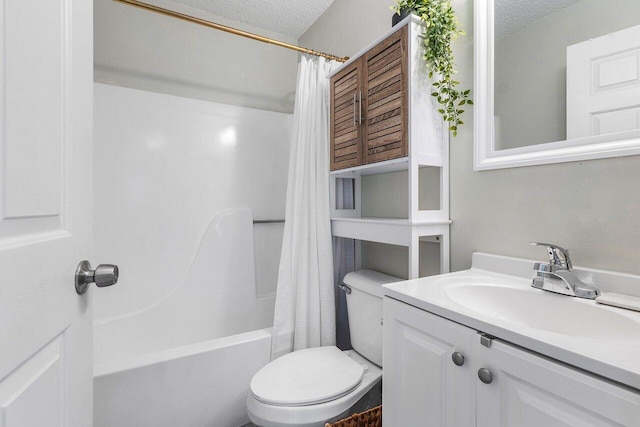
column 485, row 156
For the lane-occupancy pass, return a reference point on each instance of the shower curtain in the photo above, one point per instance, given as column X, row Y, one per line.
column 305, row 307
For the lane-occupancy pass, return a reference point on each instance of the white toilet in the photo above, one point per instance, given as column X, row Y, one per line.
column 311, row 387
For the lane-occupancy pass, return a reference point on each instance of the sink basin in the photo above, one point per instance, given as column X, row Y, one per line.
column 546, row 311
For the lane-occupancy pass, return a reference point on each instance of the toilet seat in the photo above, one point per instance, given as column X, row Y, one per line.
column 314, row 415
column 307, row 377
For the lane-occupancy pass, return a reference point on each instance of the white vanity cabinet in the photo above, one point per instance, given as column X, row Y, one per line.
column 529, row 390
column 422, row 386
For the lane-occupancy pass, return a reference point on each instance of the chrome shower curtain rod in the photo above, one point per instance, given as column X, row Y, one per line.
column 231, row 30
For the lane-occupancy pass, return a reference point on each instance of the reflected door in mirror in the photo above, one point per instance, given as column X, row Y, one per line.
column 603, row 85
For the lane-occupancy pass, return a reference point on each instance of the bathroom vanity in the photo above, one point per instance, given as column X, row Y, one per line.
column 481, row 347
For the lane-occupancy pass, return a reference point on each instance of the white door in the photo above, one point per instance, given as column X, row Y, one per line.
column 46, row 52
column 422, row 385
column 527, row 390
column 603, row 84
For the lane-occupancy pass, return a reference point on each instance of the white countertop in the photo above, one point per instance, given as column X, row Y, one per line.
column 611, row 353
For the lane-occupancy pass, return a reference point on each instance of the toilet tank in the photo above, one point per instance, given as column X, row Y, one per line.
column 364, row 306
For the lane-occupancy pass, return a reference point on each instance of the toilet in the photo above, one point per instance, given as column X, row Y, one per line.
column 308, row 388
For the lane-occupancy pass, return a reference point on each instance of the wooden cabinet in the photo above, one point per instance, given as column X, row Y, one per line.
column 422, row 386
column 385, row 105
column 346, row 130
column 369, row 106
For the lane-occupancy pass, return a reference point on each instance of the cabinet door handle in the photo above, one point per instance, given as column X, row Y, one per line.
column 458, row 358
column 485, row 375
column 355, row 117
column 360, row 107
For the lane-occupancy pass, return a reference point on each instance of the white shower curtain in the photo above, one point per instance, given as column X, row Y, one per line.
column 305, row 306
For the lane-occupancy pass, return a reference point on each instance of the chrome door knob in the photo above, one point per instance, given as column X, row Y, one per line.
column 458, row 358
column 485, row 375
column 103, row 275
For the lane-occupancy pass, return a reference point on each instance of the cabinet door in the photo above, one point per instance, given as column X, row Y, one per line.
column 345, row 117
column 529, row 390
column 421, row 384
column 385, row 102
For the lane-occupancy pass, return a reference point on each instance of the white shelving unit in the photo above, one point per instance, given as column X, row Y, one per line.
column 428, row 147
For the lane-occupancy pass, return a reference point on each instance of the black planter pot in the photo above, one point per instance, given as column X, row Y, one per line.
column 395, row 19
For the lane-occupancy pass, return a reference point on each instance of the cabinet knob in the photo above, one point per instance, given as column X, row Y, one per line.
column 458, row 358
column 485, row 375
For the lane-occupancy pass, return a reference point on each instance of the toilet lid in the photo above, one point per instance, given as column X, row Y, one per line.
column 307, row 377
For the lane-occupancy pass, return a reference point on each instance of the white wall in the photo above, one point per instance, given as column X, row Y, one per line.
column 164, row 167
column 591, row 207
column 144, row 50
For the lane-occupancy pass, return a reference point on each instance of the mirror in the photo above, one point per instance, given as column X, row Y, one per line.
column 556, row 81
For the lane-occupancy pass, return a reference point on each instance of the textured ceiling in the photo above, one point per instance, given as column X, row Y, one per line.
column 289, row 17
column 513, row 14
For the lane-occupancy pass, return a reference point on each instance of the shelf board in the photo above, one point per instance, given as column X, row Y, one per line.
column 387, row 230
column 392, row 165
column 374, row 168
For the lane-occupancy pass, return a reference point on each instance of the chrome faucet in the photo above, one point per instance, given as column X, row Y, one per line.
column 557, row 276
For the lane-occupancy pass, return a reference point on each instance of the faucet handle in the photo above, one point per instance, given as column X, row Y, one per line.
column 557, row 255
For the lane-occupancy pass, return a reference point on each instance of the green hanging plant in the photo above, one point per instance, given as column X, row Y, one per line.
column 441, row 27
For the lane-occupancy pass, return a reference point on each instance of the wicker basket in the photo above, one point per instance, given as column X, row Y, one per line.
column 370, row 418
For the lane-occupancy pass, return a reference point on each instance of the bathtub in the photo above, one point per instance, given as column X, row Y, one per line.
column 203, row 384
column 187, row 360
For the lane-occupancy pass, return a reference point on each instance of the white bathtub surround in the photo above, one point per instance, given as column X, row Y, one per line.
column 178, row 183
column 164, row 167
column 305, row 307
column 216, row 299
